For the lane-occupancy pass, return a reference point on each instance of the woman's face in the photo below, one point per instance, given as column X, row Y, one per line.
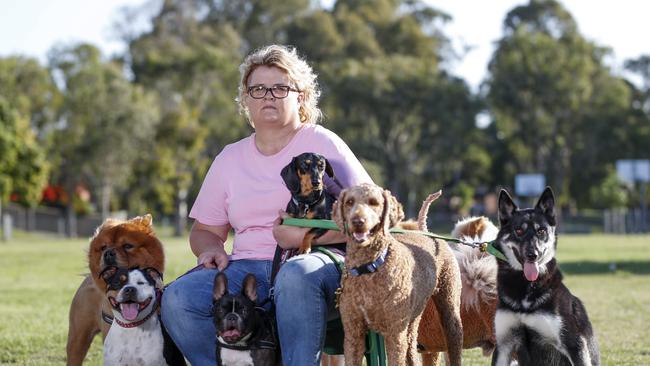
column 270, row 110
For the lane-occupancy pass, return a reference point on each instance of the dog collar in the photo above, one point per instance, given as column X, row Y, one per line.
column 370, row 267
column 303, row 207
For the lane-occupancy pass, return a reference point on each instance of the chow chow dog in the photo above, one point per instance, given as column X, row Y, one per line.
column 130, row 243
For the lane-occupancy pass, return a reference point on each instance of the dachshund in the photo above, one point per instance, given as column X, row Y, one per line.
column 303, row 177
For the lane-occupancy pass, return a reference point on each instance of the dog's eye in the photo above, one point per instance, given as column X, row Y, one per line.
column 128, row 246
column 349, row 202
column 373, row 202
column 519, row 231
column 541, row 231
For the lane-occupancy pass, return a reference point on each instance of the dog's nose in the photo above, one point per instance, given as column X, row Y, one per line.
column 531, row 255
column 129, row 292
column 110, row 258
column 358, row 221
column 231, row 317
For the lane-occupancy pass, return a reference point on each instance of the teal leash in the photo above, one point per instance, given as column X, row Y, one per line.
column 331, row 225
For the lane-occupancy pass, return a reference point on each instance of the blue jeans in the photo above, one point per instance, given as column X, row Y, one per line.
column 304, row 298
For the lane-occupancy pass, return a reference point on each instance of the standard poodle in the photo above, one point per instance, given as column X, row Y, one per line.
column 389, row 279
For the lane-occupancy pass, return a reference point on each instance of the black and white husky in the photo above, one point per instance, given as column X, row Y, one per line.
column 538, row 320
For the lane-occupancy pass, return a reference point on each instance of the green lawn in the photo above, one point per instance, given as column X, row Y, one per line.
column 39, row 274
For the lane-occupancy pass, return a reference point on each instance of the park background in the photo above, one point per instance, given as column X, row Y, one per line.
column 86, row 135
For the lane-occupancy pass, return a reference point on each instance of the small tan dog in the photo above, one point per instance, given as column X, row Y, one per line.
column 389, row 279
column 130, row 243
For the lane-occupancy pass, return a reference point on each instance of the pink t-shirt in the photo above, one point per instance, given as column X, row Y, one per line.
column 243, row 188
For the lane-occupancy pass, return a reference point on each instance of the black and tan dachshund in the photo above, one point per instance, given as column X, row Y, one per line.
column 309, row 199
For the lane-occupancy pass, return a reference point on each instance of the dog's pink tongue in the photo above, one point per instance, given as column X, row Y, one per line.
column 129, row 310
column 230, row 333
column 531, row 270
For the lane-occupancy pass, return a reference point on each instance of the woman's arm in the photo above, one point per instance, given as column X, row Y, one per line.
column 291, row 236
column 207, row 243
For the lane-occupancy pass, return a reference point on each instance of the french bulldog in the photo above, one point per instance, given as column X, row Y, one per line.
column 245, row 332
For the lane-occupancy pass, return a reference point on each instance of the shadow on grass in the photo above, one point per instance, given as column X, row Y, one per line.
column 589, row 267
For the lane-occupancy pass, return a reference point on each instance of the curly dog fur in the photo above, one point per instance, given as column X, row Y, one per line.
column 391, row 300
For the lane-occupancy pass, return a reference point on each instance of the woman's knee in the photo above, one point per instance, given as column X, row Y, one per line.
column 191, row 292
column 293, row 274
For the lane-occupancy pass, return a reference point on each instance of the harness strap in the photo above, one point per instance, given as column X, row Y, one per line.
column 340, row 266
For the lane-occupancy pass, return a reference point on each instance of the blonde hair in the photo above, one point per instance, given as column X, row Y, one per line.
column 298, row 71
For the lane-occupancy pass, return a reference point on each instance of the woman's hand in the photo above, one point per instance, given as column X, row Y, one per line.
column 213, row 259
column 207, row 243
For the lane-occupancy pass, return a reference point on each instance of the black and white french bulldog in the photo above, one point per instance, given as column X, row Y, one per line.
column 537, row 317
column 136, row 336
column 245, row 333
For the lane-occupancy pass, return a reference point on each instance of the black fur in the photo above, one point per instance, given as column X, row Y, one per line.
column 528, row 235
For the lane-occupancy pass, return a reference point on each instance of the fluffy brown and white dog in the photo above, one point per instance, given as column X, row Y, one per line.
column 130, row 243
column 478, row 296
column 389, row 279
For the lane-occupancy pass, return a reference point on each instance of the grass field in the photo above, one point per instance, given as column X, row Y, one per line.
column 39, row 274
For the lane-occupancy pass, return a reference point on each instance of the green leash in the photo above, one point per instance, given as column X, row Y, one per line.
column 331, row 225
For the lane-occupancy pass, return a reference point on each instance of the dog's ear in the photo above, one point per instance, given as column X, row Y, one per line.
column 289, row 175
column 546, row 204
column 506, row 207
column 156, row 276
column 392, row 212
column 396, row 212
column 107, row 224
column 107, row 273
column 337, row 211
column 220, row 286
column 328, row 168
column 249, row 287
column 144, row 220
column 142, row 223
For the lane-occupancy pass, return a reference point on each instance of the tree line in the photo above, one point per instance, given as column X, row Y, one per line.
column 139, row 130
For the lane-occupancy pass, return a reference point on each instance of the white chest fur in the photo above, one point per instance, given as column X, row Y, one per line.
column 546, row 325
column 233, row 357
column 141, row 346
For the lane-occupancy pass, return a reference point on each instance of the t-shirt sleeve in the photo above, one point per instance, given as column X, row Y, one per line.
column 211, row 206
column 347, row 168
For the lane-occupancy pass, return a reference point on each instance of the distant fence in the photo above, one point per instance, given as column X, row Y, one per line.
column 53, row 220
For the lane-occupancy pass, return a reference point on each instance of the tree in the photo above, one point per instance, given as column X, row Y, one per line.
column 545, row 82
column 30, row 90
column 106, row 123
column 23, row 168
column 189, row 59
column 387, row 96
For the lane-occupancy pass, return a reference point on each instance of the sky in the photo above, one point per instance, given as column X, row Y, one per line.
column 32, row 27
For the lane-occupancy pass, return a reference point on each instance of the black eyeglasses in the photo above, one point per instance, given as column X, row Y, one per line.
column 277, row 91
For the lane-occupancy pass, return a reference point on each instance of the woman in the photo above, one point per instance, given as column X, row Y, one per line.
column 243, row 191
